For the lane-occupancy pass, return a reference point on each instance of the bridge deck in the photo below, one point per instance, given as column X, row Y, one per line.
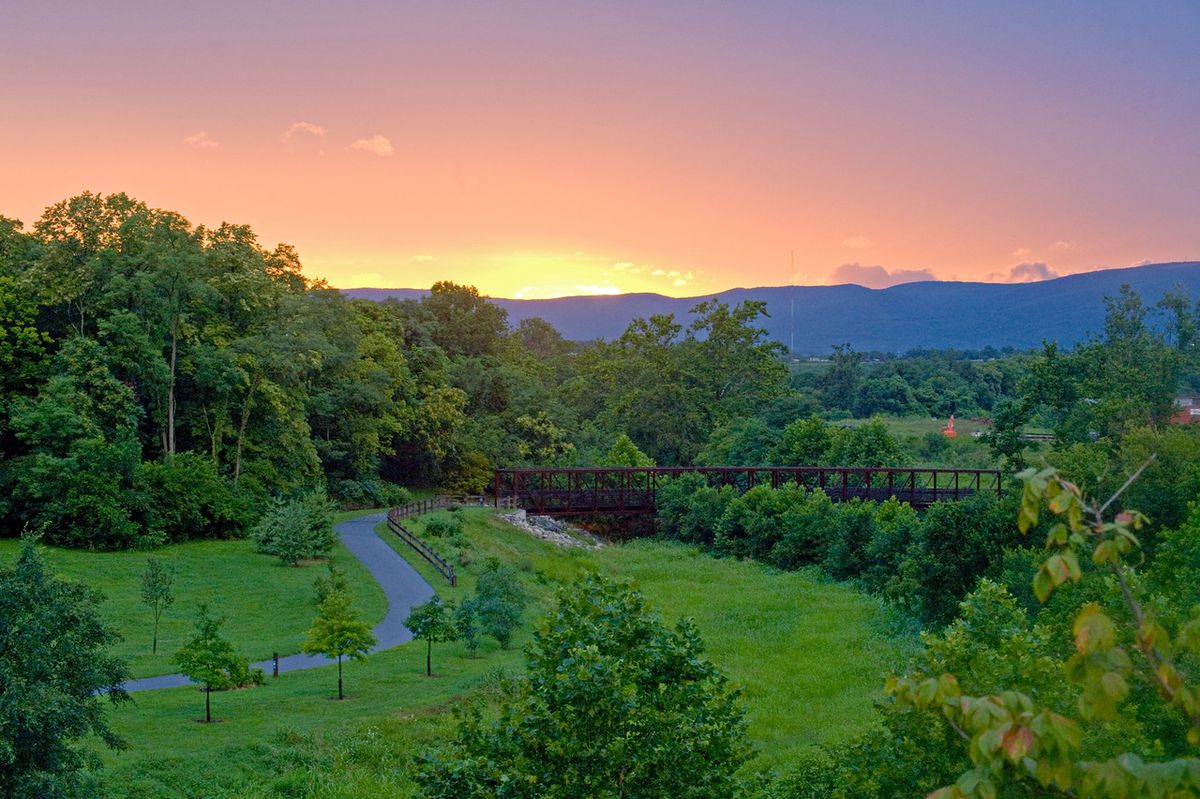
column 585, row 491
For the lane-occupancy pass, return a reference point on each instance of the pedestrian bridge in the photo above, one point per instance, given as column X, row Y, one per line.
column 605, row 491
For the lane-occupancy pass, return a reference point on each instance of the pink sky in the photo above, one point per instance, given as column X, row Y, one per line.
column 541, row 149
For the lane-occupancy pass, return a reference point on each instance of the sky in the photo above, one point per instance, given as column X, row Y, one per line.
column 539, row 149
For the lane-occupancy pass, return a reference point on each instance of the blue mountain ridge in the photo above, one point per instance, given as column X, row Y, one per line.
column 929, row 314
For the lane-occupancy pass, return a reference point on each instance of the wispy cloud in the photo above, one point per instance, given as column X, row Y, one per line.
column 200, row 141
column 1062, row 246
column 1025, row 272
column 877, row 277
column 301, row 130
column 422, row 257
column 605, row 288
column 1022, row 252
column 375, row 145
column 857, row 242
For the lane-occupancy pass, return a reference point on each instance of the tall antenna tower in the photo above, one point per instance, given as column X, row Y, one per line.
column 792, row 297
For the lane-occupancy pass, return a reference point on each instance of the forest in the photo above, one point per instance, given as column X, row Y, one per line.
column 164, row 383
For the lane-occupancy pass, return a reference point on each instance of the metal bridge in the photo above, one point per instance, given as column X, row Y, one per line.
column 595, row 491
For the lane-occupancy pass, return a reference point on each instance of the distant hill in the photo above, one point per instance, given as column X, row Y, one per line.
column 931, row 314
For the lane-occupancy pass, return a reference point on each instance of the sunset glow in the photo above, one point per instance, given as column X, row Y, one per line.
column 547, row 149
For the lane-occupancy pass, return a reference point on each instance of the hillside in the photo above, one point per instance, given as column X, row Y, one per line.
column 913, row 315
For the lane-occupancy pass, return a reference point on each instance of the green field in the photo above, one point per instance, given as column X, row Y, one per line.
column 268, row 605
column 808, row 654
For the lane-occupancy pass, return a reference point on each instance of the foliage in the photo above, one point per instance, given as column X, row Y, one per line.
column 499, row 602
column 925, row 563
column 157, row 582
column 431, row 621
column 613, row 704
column 1014, row 731
column 55, row 677
column 466, row 625
column 209, row 659
column 624, row 452
column 296, row 530
column 443, row 525
column 185, row 498
column 337, row 632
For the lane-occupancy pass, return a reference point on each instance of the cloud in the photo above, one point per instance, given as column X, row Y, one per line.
column 422, row 257
column 1022, row 253
column 301, row 129
column 200, row 141
column 606, row 288
column 1025, row 272
column 630, row 267
column 375, row 145
column 1062, row 246
column 877, row 277
column 857, row 242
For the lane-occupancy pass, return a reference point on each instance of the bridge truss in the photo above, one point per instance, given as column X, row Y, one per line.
column 593, row 491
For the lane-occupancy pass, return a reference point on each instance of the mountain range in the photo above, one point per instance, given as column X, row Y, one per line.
column 928, row 314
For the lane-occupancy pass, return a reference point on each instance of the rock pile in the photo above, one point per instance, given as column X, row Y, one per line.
column 553, row 530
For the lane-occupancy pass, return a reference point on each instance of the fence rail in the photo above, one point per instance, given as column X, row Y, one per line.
column 634, row 490
column 440, row 502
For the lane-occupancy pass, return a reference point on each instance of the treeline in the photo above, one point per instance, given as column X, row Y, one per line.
column 161, row 381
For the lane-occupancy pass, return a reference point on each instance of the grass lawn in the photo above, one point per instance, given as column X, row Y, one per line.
column 269, row 606
column 808, row 654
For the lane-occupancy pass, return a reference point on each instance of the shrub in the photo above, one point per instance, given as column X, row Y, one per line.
column 370, row 492
column 847, row 544
column 444, row 525
column 957, row 543
column 187, row 499
column 806, row 530
column 751, row 524
column 296, row 529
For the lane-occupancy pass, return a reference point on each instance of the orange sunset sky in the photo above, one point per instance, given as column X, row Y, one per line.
column 544, row 149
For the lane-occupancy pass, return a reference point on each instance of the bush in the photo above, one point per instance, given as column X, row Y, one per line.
column 370, row 492
column 444, row 525
column 807, row 528
column 187, row 499
column 848, row 542
column 296, row 529
column 752, row 525
column 957, row 543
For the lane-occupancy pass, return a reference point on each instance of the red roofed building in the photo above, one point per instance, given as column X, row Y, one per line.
column 1187, row 410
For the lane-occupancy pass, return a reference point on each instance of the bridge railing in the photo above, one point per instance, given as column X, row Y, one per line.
column 634, row 490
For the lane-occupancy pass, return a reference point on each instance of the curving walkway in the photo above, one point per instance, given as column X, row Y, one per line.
column 402, row 585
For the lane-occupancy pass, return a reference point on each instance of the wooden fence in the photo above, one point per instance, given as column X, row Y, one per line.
column 418, row 507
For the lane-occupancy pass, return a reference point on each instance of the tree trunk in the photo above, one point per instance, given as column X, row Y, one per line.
column 207, row 704
column 154, row 646
column 429, row 658
column 171, row 389
column 241, row 438
column 340, row 696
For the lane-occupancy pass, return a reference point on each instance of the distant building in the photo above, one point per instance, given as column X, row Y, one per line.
column 1187, row 410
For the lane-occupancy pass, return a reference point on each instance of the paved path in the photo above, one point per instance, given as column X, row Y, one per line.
column 402, row 585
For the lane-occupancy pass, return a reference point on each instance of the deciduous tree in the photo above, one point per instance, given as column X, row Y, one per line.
column 613, row 704
column 56, row 675
column 157, row 581
column 337, row 631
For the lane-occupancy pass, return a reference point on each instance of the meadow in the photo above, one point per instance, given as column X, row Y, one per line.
column 808, row 655
column 268, row 605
